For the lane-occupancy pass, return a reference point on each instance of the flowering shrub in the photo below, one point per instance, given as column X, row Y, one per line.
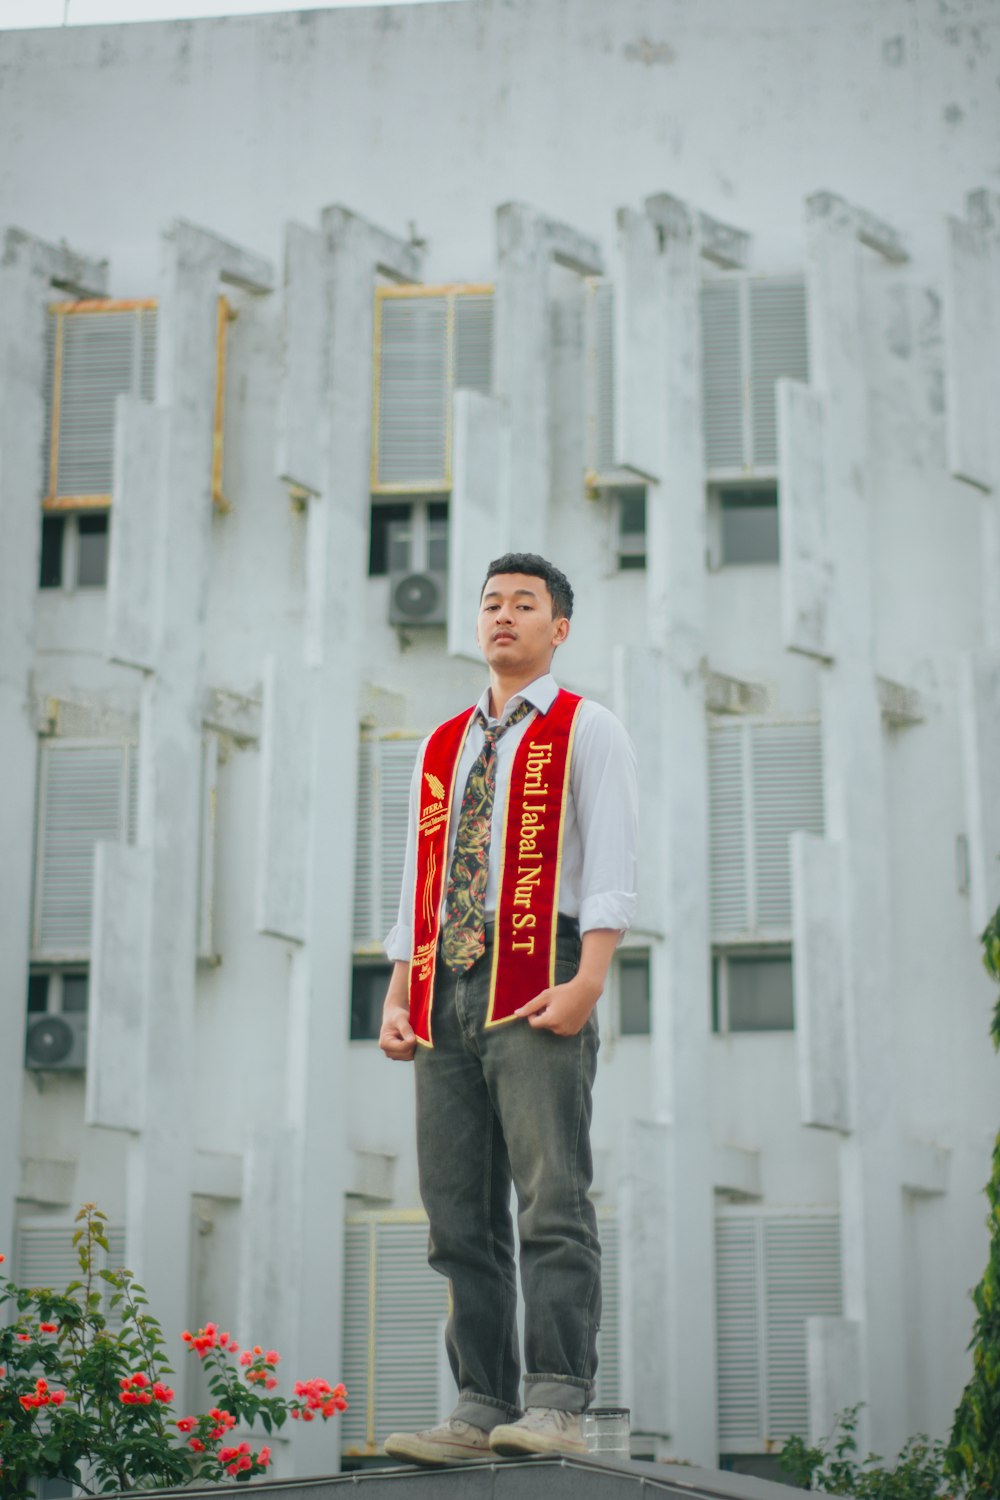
column 82, row 1401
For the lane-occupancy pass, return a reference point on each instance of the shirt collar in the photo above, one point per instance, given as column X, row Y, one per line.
column 541, row 694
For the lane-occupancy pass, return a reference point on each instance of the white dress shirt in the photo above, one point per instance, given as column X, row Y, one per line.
column 597, row 881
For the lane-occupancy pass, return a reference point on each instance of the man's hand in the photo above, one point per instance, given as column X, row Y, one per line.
column 564, row 1009
column 396, row 1037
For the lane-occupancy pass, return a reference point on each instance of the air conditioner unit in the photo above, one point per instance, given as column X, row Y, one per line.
column 56, row 1043
column 418, row 599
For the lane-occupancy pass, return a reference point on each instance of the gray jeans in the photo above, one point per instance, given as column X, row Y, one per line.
column 511, row 1104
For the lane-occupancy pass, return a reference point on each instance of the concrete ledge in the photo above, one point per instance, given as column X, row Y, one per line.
column 553, row 1478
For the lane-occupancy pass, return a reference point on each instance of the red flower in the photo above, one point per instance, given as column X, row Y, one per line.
column 272, row 1356
column 223, row 1339
column 162, row 1392
column 2, row 1259
column 185, row 1424
column 244, row 1463
column 197, row 1445
column 58, row 1397
column 48, row 1327
column 24, row 1338
column 246, row 1358
column 264, row 1457
column 271, row 1382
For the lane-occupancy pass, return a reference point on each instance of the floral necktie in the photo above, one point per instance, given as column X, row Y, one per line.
column 463, row 938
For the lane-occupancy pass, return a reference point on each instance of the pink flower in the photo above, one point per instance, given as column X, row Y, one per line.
column 264, row 1457
column 244, row 1463
column 272, row 1357
column 246, row 1358
column 271, row 1382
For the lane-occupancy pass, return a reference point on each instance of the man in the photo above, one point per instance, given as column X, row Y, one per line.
column 518, row 885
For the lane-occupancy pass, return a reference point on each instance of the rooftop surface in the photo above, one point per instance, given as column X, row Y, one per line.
column 553, row 1478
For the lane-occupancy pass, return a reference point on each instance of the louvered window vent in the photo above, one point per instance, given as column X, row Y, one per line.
column 765, row 781
column 774, row 1268
column 97, row 351
column 384, row 772
column 753, row 330
column 429, row 342
column 88, row 793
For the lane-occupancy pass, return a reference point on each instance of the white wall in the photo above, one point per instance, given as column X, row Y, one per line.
column 428, row 117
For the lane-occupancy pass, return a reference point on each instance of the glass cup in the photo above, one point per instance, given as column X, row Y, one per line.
column 606, row 1431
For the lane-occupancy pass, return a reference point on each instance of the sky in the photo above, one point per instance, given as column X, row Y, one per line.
column 15, row 14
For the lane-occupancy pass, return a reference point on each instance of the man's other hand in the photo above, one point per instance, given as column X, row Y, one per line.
column 397, row 1038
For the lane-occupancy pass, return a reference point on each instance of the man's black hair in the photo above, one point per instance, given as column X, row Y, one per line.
column 558, row 585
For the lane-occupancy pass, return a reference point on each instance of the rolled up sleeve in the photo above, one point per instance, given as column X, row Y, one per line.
column 606, row 800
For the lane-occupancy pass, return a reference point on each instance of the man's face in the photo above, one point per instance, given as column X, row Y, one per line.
column 515, row 630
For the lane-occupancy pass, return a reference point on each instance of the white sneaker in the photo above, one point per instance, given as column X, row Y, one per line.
column 542, row 1429
column 450, row 1442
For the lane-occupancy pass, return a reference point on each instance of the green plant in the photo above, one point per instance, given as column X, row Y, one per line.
column 833, row 1466
column 974, row 1450
column 84, row 1400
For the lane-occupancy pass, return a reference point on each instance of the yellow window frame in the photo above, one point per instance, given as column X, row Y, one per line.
column 225, row 313
column 451, row 291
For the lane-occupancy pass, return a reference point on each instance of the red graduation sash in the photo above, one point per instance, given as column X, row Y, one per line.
column 524, row 942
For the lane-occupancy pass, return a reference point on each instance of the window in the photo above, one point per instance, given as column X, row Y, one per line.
column 92, row 551
column 765, row 781
column 384, row 771
column 752, row 992
column 743, row 525
column 753, row 331
column 429, row 342
column 773, row 1269
column 50, row 572
column 633, row 992
column 368, row 986
column 98, row 350
column 408, row 536
column 44, row 1255
column 74, row 551
column 631, row 507
column 87, row 793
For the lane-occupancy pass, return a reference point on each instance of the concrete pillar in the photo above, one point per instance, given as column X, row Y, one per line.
column 526, row 245
column 164, row 463
column 480, row 466
column 972, row 377
column 297, row 1174
column 871, row 1196
column 30, row 269
column 672, row 1357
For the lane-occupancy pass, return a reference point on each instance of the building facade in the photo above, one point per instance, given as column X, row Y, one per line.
column 304, row 318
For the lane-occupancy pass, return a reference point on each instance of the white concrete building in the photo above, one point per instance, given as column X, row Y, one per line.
column 704, row 302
